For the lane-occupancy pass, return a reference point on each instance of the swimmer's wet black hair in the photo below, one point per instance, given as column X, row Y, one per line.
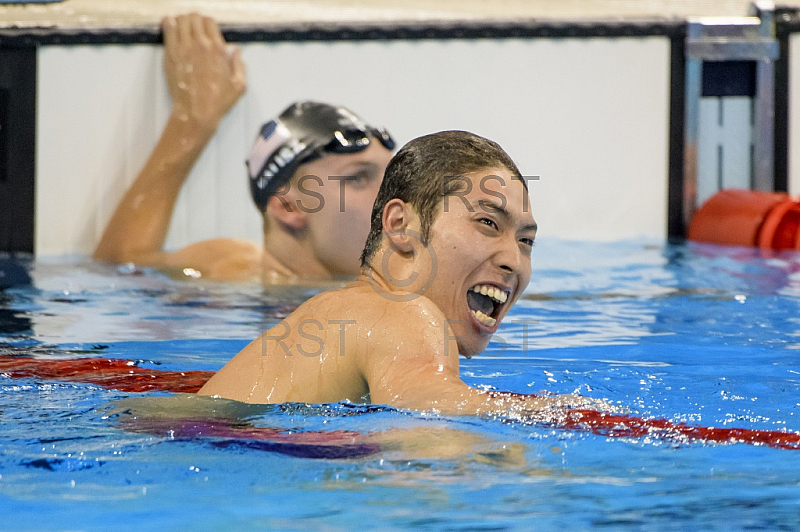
column 426, row 170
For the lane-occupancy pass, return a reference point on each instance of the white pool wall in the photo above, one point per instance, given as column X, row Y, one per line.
column 587, row 115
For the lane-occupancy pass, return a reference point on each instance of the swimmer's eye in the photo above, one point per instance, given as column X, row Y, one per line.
column 361, row 178
column 488, row 222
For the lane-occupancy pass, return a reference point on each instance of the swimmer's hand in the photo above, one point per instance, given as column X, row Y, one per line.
column 579, row 402
column 205, row 80
column 544, row 408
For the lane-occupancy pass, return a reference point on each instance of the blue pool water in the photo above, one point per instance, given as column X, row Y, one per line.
column 690, row 333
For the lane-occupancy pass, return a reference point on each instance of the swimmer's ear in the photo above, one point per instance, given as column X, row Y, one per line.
column 397, row 215
column 286, row 211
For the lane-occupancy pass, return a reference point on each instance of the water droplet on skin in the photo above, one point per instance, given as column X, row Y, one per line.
column 191, row 272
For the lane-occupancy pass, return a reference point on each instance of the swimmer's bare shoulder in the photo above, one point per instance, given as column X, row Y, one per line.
column 349, row 344
column 360, row 345
column 408, row 357
column 219, row 259
column 293, row 360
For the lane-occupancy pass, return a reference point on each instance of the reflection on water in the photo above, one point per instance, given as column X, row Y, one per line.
column 13, row 273
column 14, row 270
column 689, row 334
column 585, row 294
column 80, row 301
column 13, row 322
column 230, row 424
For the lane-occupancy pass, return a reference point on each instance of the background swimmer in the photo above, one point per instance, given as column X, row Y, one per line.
column 314, row 227
column 449, row 253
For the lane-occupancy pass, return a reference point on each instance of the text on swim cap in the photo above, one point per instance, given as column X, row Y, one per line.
column 279, row 160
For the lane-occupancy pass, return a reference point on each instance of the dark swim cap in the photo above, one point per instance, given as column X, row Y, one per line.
column 303, row 132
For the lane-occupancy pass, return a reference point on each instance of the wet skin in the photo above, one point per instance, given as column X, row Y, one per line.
column 373, row 341
column 331, row 201
column 206, row 79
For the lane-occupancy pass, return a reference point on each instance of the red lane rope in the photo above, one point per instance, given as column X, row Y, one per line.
column 123, row 375
column 126, row 376
column 624, row 426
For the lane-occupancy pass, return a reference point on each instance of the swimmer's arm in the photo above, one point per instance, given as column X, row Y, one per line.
column 205, row 81
column 239, row 377
column 424, row 376
column 423, row 387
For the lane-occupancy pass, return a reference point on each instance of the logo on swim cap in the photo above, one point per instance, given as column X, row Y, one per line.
column 273, row 135
column 278, row 162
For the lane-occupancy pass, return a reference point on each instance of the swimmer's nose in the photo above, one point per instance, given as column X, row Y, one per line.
column 510, row 258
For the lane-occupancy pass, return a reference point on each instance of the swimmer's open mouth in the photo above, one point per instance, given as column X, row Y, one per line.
column 486, row 302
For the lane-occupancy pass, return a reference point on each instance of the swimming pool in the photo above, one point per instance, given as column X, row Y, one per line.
column 691, row 333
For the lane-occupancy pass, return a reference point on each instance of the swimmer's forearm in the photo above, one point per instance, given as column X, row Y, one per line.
column 453, row 397
column 138, row 228
column 510, row 404
column 530, row 405
column 205, row 81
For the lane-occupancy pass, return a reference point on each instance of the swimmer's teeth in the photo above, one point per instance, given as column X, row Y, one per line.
column 491, row 291
column 483, row 318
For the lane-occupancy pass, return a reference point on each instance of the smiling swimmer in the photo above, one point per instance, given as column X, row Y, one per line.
column 449, row 252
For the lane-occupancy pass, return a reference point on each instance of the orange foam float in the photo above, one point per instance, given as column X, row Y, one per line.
column 736, row 217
